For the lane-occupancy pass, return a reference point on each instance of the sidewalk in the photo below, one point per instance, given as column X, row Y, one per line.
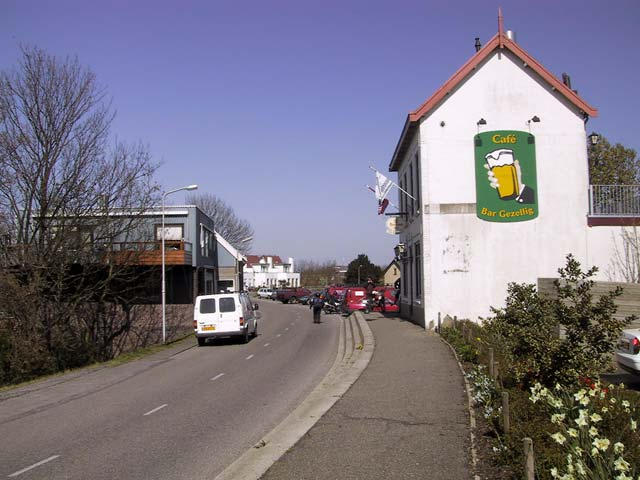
column 405, row 417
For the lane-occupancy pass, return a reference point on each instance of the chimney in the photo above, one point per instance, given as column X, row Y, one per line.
column 511, row 35
column 566, row 79
column 478, row 45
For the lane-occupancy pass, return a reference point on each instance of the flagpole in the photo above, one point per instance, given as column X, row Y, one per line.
column 395, row 185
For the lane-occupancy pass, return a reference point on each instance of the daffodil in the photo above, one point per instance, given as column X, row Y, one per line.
column 625, row 404
column 601, row 443
column 634, row 425
column 580, row 394
column 558, row 437
column 593, row 431
column 605, row 409
column 554, row 472
column 572, row 432
column 580, row 469
column 621, row 465
column 584, row 401
column 557, row 418
column 618, row 447
column 595, row 418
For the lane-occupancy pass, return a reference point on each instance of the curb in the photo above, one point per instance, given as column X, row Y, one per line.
column 472, row 415
column 355, row 349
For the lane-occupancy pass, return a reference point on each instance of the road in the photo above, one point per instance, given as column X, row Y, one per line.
column 185, row 413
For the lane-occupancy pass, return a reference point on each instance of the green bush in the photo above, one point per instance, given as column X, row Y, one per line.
column 527, row 330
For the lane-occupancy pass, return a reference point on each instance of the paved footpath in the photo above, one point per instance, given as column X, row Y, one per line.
column 405, row 417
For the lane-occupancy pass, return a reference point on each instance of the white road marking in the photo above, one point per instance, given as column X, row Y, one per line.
column 42, row 462
column 155, row 410
column 286, row 329
column 279, row 335
column 249, row 357
column 217, row 376
column 267, row 344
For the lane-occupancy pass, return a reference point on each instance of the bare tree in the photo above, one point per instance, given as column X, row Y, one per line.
column 67, row 195
column 625, row 263
column 236, row 231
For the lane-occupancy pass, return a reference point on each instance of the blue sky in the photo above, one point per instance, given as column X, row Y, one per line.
column 279, row 107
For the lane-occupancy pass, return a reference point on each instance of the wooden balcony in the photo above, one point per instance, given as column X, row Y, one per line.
column 150, row 253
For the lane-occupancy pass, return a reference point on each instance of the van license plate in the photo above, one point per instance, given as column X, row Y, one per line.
column 208, row 328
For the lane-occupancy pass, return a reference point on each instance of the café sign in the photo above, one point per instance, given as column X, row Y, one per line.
column 506, row 185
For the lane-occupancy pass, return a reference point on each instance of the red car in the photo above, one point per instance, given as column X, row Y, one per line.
column 390, row 300
column 355, row 298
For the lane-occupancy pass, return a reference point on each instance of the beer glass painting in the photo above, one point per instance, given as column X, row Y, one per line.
column 502, row 165
column 506, row 183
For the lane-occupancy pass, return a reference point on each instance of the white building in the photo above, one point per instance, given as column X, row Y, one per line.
column 269, row 271
column 465, row 239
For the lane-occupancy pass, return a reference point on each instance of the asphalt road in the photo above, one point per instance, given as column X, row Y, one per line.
column 185, row 413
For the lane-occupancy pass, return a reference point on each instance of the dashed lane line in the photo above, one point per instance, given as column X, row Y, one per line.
column 249, row 357
column 267, row 344
column 42, row 462
column 217, row 376
column 155, row 410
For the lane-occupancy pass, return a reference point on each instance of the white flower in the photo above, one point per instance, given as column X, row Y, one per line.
column 593, row 431
column 605, row 409
column 621, row 465
column 579, row 451
column 624, row 476
column 594, row 452
column 572, row 432
column 625, row 404
column 601, row 443
column 581, row 420
column 618, row 447
column 554, row 472
column 558, row 437
column 584, row 401
column 558, row 387
column 580, row 394
column 580, row 469
column 595, row 418
column 634, row 425
column 612, row 400
column 557, row 418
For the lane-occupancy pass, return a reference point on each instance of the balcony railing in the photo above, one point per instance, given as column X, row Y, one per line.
column 177, row 252
column 614, row 200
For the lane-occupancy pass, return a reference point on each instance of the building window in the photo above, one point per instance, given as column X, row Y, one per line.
column 417, row 195
column 410, row 190
column 263, row 268
column 206, row 242
column 405, row 277
column 172, row 232
column 418, row 269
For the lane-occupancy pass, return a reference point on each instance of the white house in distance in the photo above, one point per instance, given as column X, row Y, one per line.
column 496, row 160
column 269, row 271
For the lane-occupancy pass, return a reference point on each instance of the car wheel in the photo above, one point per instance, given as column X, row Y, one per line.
column 255, row 330
column 201, row 341
column 293, row 299
column 245, row 336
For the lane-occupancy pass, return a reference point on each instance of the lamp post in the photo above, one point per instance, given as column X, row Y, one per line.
column 164, row 302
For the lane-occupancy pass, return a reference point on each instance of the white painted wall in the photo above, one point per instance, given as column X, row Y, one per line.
column 468, row 262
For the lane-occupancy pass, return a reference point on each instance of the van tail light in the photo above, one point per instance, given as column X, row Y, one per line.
column 241, row 321
column 195, row 324
column 635, row 343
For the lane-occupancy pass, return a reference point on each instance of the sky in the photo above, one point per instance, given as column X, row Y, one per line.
column 279, row 107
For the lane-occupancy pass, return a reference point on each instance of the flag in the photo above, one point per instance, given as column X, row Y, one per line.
column 382, row 206
column 383, row 185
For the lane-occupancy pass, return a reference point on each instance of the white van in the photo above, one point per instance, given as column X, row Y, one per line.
column 224, row 315
column 265, row 292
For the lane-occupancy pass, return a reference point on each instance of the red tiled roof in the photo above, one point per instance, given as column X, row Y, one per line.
column 255, row 259
column 499, row 41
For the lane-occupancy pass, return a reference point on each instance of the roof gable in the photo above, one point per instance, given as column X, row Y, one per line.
column 499, row 42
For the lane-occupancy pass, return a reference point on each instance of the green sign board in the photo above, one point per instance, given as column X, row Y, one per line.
column 506, row 187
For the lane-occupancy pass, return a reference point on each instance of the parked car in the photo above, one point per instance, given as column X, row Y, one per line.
column 291, row 295
column 265, row 292
column 355, row 298
column 224, row 315
column 390, row 300
column 628, row 350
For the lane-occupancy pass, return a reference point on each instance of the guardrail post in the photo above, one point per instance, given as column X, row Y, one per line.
column 528, row 459
column 506, row 425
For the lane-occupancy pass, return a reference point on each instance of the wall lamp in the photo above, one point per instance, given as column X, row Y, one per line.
column 535, row 119
column 482, row 121
column 594, row 138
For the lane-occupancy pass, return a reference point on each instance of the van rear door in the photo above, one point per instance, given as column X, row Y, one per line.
column 229, row 314
column 207, row 315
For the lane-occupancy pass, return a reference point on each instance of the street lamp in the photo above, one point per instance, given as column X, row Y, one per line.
column 164, row 302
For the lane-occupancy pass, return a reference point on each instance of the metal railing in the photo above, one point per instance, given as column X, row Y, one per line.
column 150, row 246
column 614, row 200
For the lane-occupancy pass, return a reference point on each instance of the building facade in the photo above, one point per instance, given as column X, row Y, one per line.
column 496, row 163
column 269, row 271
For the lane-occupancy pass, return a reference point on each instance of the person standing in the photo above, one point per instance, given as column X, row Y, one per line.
column 316, row 305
